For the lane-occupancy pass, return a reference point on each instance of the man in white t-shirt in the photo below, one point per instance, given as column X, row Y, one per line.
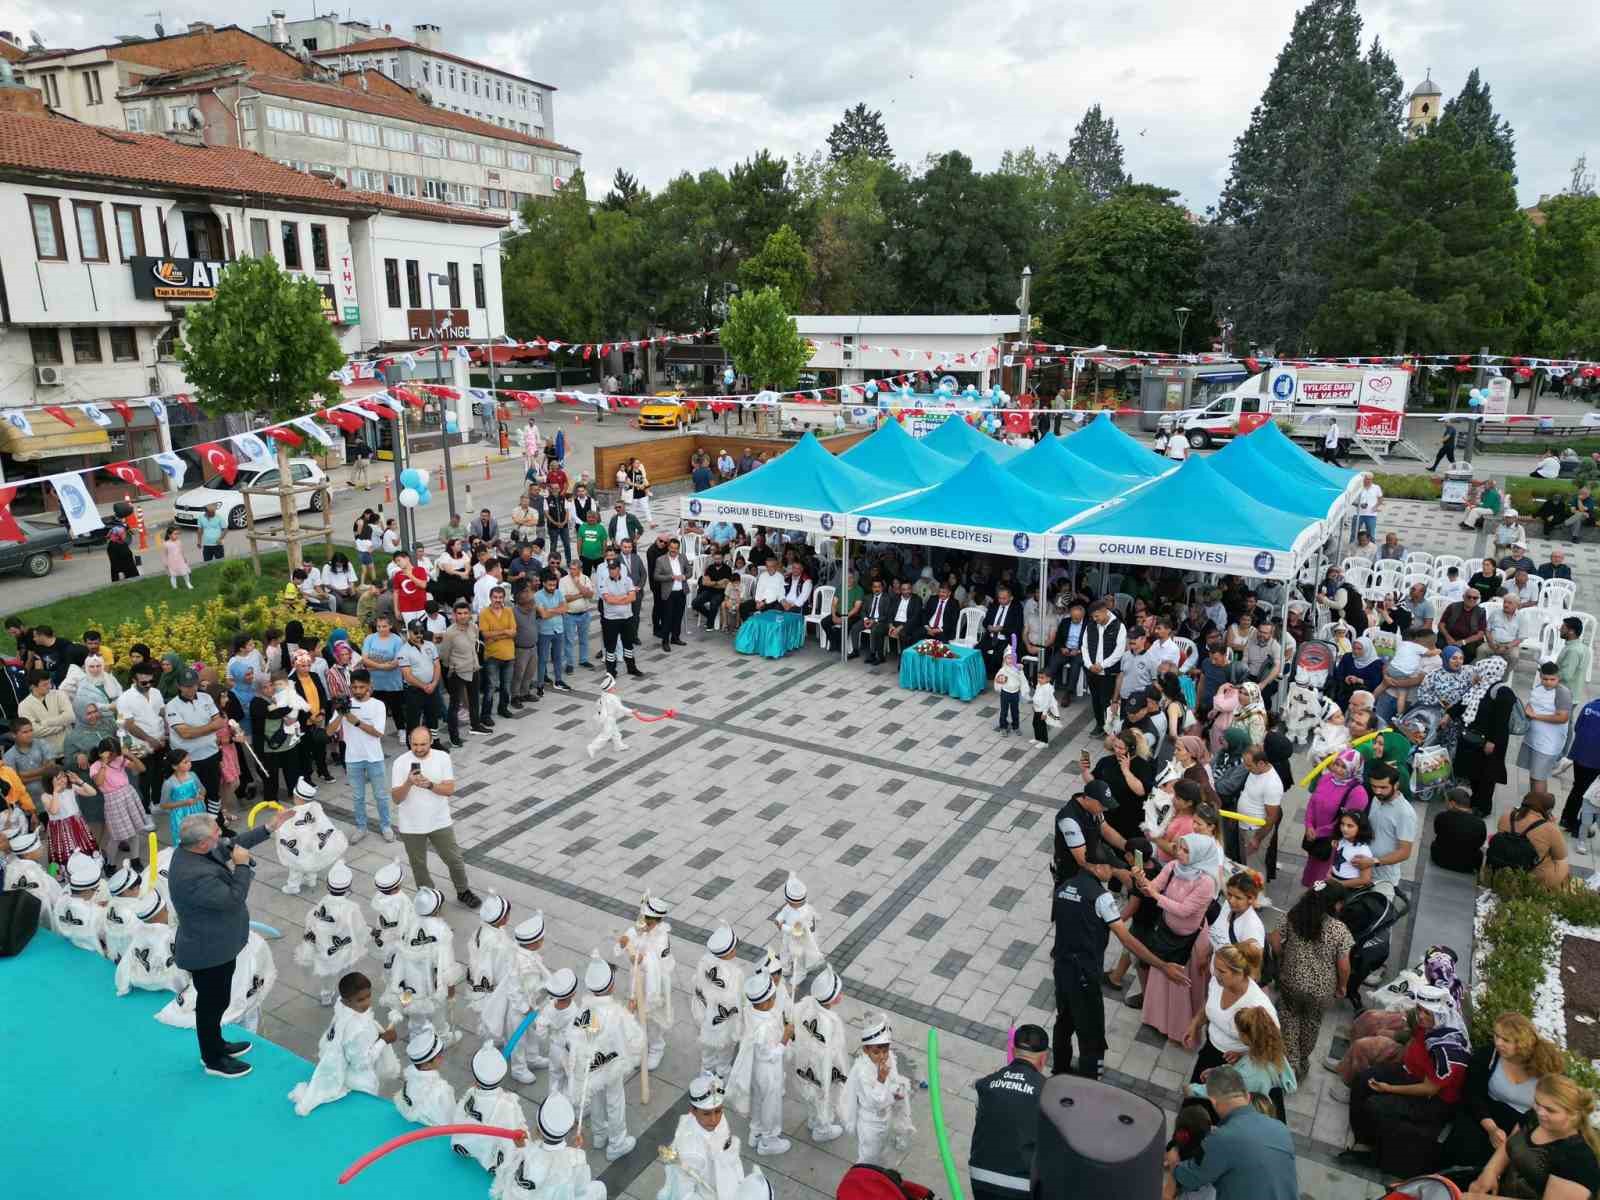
column 1548, row 467
column 139, row 717
column 421, row 784
column 1367, row 501
column 1262, row 797
column 361, row 727
column 493, row 577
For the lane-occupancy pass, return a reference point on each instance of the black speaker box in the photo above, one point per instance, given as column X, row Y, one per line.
column 1097, row 1141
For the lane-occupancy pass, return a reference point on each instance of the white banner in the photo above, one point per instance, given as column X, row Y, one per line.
column 252, row 451
column 82, row 515
column 174, row 468
column 740, row 513
column 312, row 430
column 1184, row 556
column 933, row 533
column 19, row 422
column 93, row 412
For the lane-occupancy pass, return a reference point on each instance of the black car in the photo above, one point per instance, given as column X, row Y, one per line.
column 35, row 556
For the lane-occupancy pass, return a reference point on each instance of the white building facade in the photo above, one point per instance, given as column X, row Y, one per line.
column 856, row 349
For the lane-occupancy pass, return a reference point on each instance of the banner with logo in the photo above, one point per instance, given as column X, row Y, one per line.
column 739, row 512
column 1244, row 561
column 77, row 503
column 932, row 533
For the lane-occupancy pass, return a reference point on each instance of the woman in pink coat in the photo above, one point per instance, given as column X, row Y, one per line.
column 1337, row 788
column 1176, row 900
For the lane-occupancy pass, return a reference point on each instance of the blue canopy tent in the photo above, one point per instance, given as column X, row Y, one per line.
column 805, row 487
column 1192, row 519
column 894, row 456
column 1271, row 443
column 1049, row 467
column 1102, row 444
column 1243, row 465
column 960, row 441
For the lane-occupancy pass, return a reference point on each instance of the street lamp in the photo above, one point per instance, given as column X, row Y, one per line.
column 444, row 429
column 1183, row 319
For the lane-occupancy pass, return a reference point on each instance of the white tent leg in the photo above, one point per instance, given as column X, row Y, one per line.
column 844, row 603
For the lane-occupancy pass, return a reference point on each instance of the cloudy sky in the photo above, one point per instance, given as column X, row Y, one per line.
column 660, row 88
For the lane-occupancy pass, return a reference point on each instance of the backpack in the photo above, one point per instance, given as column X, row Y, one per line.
column 1511, row 850
column 1518, row 723
column 1228, row 775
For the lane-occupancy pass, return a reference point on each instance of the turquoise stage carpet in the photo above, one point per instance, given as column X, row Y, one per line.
column 102, row 1097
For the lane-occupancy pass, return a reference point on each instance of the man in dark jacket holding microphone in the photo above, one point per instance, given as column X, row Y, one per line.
column 209, row 879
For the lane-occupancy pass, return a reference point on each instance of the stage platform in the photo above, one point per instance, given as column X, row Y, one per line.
column 104, row 1097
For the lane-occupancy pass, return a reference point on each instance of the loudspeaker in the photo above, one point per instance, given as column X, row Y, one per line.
column 19, row 920
column 1096, row 1140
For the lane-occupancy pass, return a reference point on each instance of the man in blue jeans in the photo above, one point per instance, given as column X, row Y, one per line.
column 552, row 609
column 361, row 727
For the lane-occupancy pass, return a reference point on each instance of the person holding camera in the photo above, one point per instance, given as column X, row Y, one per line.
column 422, row 783
column 358, row 720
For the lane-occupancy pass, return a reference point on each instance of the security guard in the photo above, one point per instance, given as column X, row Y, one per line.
column 1006, row 1127
column 1085, row 915
column 1082, row 834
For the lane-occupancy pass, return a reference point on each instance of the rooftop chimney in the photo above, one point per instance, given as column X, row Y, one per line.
column 201, row 27
column 280, row 32
column 428, row 37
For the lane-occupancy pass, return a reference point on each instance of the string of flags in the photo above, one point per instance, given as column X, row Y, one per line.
column 1519, row 366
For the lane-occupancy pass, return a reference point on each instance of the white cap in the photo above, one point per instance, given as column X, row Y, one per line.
column 561, row 984
column 488, row 1066
column 556, row 1118
column 875, row 1030
column 530, row 931
column 772, row 964
column 24, row 843
column 124, row 880
column 754, row 1186
column 597, row 975
column 722, row 941
column 609, row 682
column 427, row 901
column 424, row 1045
column 304, row 789
column 388, row 876
column 150, row 904
column 340, row 878
column 758, row 987
column 794, row 890
column 83, row 872
column 826, row 986
column 493, row 909
column 705, row 1091
column 655, row 907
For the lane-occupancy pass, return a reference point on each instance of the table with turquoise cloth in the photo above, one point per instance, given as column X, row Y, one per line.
column 771, row 634
column 962, row 676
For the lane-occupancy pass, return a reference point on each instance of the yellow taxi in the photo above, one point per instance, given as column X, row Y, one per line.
column 666, row 410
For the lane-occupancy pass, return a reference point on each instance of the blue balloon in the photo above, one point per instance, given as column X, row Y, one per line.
column 1473, row 401
column 424, row 495
column 451, row 425
column 411, row 478
column 872, row 389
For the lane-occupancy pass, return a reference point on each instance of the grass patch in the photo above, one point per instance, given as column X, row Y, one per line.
column 1520, row 938
column 1408, row 487
column 1585, row 446
column 117, row 603
column 1524, row 495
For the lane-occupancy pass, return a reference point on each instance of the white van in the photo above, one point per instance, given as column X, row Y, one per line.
column 1368, row 402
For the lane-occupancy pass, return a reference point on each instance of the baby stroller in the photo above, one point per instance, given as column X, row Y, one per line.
column 1313, row 663
column 1432, row 774
column 1370, row 915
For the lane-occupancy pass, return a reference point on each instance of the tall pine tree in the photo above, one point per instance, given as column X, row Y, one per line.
column 1327, row 114
column 1470, row 120
column 860, row 131
column 1095, row 154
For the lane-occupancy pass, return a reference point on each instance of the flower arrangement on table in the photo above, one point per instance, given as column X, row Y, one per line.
column 934, row 649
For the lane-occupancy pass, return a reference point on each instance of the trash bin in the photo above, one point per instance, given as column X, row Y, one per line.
column 1456, row 488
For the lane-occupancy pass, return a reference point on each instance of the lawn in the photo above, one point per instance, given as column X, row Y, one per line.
column 108, row 607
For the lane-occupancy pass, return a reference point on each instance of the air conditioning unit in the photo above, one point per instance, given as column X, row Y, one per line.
column 50, row 376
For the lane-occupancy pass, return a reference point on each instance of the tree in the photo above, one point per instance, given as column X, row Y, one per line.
column 1313, row 140
column 1439, row 255
column 852, row 271
column 1118, row 271
column 625, row 192
column 1095, row 154
column 1470, row 120
column 1051, row 192
column 761, row 197
column 1566, row 271
column 1582, row 181
column 263, row 346
column 762, row 341
column 783, row 264
column 688, row 253
column 860, row 131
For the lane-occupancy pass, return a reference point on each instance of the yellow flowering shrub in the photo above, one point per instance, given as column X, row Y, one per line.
column 202, row 633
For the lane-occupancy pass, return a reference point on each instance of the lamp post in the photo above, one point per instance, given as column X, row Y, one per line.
column 1022, row 311
column 444, row 430
column 1182, row 314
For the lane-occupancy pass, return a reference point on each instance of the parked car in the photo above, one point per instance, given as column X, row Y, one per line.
column 229, row 499
column 36, row 555
column 666, row 410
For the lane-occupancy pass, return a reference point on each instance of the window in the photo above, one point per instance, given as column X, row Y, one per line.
column 130, row 230
column 430, row 145
column 391, row 281
column 136, row 118
column 403, row 185
column 291, row 246
column 247, row 116
column 46, row 345
column 538, row 102
column 399, row 139
column 452, row 79
column 203, row 233
column 287, row 120
column 427, row 75
column 364, row 180
column 492, row 156
column 454, row 271
column 91, row 87
column 520, row 160
column 260, row 238
column 393, row 71
column 325, row 127
column 494, row 197
column 413, row 283
column 319, row 248
column 362, row 133
column 478, row 300
column 124, row 345
column 433, row 189
column 309, row 43
column 462, row 151
column 47, row 239
column 167, row 343
column 475, row 83
column 51, row 90
column 518, row 199
column 91, row 231
column 86, row 346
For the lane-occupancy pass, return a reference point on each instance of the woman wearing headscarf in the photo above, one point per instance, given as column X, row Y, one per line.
column 172, row 666
column 1338, row 789
column 99, row 684
column 1379, row 1035
column 1228, row 772
column 1447, row 687
column 1252, row 714
column 1360, row 670
column 1193, row 759
column 1169, row 911
column 1483, row 729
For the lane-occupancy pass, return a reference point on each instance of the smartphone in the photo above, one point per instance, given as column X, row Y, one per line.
column 1138, row 860
column 416, row 768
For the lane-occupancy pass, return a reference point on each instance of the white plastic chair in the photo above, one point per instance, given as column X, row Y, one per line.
column 691, row 544
column 1586, row 638
column 1442, row 564
column 1188, row 653
column 969, row 626
column 1388, row 569
column 1357, row 573
column 1549, row 641
column 821, row 608
column 1411, row 580
column 1123, row 601
column 1419, row 562
column 1558, row 594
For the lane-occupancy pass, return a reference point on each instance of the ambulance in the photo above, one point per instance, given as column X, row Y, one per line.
column 1365, row 402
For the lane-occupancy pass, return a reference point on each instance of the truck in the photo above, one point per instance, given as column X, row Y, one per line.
column 1368, row 403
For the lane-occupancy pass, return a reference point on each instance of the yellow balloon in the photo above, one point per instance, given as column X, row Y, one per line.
column 155, row 847
column 1323, row 765
column 1222, row 812
column 250, row 820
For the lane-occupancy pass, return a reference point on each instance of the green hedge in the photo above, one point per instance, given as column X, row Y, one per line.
column 1585, row 446
column 1520, row 936
column 1408, row 487
column 1526, row 495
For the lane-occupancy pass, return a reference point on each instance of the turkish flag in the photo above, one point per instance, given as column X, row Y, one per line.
column 220, row 459
column 379, row 410
column 280, row 434
column 10, row 531
column 129, row 473
column 61, row 414
column 123, row 411
column 346, row 421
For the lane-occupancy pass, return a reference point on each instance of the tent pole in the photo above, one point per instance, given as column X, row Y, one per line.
column 1044, row 615
column 844, row 600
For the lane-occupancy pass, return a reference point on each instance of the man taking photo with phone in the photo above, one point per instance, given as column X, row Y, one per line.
column 421, row 784
column 359, row 722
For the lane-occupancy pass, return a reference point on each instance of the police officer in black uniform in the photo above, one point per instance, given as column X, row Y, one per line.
column 1082, row 835
column 1007, row 1123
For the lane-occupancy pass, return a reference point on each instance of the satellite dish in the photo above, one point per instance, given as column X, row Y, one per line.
column 160, row 32
column 34, row 40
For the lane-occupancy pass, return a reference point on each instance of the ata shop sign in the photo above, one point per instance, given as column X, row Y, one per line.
column 175, row 278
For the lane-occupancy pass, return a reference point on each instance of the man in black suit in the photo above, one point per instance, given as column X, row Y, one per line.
column 1001, row 623
column 1065, row 665
column 944, row 614
column 905, row 618
column 875, row 623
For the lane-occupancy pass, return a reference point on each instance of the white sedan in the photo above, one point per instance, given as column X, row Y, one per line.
column 229, row 499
